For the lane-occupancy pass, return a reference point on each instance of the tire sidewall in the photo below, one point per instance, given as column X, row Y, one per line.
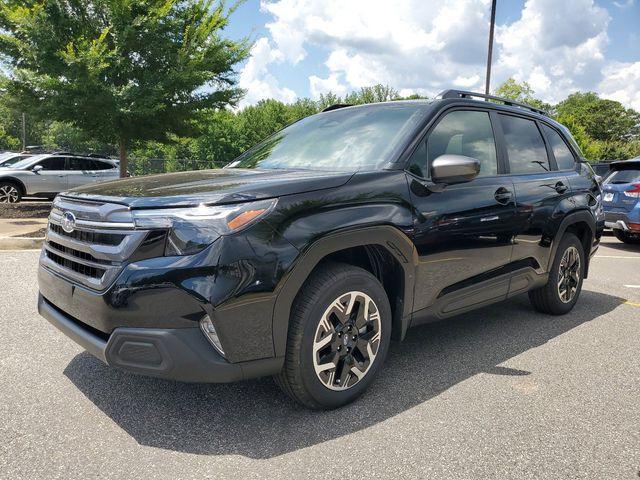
column 354, row 281
column 12, row 184
column 569, row 240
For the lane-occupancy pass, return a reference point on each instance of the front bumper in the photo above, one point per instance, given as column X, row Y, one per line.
column 181, row 354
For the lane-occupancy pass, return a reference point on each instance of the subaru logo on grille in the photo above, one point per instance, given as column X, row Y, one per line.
column 68, row 223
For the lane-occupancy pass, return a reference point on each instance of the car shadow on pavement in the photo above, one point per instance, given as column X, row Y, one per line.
column 625, row 247
column 255, row 419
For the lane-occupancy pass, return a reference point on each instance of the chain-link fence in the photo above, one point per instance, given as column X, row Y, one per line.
column 150, row 166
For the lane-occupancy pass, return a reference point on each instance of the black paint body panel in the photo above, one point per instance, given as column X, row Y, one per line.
column 457, row 248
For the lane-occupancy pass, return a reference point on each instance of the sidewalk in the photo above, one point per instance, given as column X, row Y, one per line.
column 22, row 227
column 22, row 233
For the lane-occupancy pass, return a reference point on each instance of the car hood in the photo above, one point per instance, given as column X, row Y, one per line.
column 219, row 186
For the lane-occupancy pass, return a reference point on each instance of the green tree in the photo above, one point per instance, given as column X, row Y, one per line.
column 521, row 92
column 375, row 94
column 604, row 120
column 121, row 70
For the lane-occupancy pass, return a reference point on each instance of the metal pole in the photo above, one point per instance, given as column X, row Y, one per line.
column 24, row 132
column 489, row 55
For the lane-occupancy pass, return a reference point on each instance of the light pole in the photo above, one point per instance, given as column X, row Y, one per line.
column 489, row 54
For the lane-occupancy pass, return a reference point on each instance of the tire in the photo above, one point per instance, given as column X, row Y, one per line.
column 553, row 298
column 626, row 238
column 332, row 300
column 10, row 193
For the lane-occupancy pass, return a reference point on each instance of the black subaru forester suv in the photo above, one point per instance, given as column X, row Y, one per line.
column 305, row 256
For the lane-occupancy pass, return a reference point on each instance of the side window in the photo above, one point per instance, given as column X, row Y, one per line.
column 461, row 132
column 525, row 147
column 98, row 165
column 52, row 163
column 564, row 157
column 79, row 164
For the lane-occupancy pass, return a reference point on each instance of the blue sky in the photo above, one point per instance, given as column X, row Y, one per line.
column 307, row 47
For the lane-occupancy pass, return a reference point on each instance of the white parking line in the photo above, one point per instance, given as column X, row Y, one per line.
column 632, row 286
column 616, row 256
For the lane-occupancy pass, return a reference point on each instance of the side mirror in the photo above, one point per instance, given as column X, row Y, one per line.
column 599, row 179
column 451, row 169
column 37, row 169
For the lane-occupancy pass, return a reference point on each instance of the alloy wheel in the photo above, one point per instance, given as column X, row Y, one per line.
column 9, row 194
column 346, row 340
column 569, row 274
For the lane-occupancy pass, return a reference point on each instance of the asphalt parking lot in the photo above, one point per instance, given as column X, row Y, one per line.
column 500, row 393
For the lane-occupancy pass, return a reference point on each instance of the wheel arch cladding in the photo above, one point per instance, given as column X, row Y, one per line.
column 384, row 251
column 16, row 182
column 582, row 225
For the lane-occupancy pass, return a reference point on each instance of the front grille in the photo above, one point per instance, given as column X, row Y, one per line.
column 94, row 252
column 96, row 238
column 82, row 269
column 75, row 253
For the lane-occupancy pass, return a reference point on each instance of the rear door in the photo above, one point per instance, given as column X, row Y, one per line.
column 80, row 171
column 542, row 192
column 104, row 171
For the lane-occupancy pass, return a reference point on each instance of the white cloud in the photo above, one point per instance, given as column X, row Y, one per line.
column 553, row 47
column 622, row 83
column 624, row 4
column 425, row 46
column 332, row 83
column 256, row 79
column 412, row 45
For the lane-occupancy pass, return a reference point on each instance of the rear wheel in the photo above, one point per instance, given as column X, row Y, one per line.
column 626, row 237
column 562, row 290
column 9, row 193
column 339, row 334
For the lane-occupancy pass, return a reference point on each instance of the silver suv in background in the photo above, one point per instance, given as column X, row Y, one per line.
column 48, row 174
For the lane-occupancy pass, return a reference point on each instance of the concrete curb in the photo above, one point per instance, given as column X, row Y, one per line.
column 21, row 243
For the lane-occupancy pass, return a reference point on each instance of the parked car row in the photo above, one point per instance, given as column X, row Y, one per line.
column 46, row 175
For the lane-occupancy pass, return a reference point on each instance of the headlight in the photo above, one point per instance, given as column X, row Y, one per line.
column 193, row 229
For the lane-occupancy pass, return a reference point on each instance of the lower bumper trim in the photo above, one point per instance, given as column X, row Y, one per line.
column 181, row 354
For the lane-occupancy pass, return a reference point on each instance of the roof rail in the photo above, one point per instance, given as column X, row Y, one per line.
column 336, row 106
column 464, row 94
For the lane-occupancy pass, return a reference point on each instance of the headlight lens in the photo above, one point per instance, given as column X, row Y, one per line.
column 193, row 229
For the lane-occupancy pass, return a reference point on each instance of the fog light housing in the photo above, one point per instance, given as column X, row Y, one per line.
column 209, row 331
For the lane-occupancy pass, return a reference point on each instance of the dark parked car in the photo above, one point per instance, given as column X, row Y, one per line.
column 303, row 258
column 621, row 200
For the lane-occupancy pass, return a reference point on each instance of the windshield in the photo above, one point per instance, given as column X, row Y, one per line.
column 350, row 139
column 27, row 162
column 11, row 160
column 623, row 176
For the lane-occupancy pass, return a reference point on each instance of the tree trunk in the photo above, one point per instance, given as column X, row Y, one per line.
column 123, row 158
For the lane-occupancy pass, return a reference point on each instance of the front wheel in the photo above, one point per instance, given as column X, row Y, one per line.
column 563, row 288
column 9, row 193
column 339, row 334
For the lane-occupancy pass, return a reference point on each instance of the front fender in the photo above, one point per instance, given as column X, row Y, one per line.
column 385, row 236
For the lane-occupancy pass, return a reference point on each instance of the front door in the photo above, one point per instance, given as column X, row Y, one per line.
column 51, row 179
column 462, row 232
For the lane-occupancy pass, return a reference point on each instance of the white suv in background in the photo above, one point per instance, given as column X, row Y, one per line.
column 48, row 174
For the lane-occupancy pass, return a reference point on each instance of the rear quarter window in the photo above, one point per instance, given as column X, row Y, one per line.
column 561, row 151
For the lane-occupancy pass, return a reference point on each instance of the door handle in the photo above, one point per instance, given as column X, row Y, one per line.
column 502, row 195
column 561, row 187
